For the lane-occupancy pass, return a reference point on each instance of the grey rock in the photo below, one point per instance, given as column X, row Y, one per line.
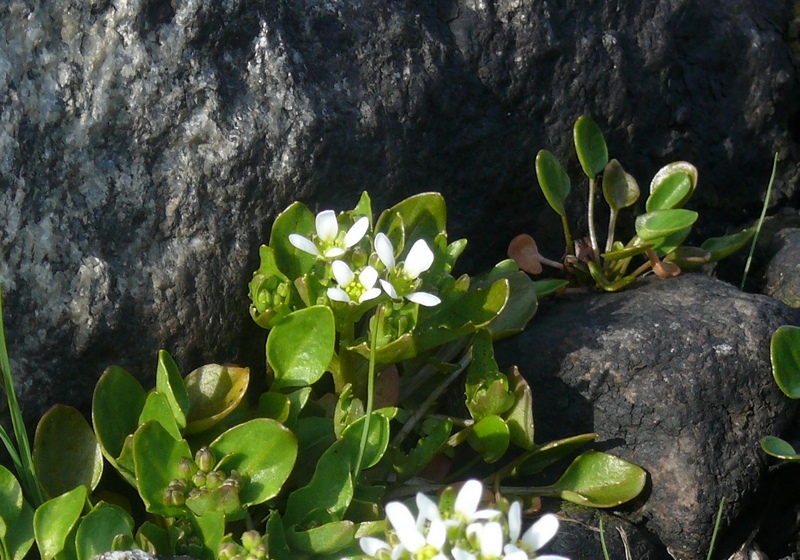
column 674, row 376
column 146, row 146
column 782, row 280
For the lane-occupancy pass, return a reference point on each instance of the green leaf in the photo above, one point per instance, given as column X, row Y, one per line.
column 157, row 408
column 721, row 247
column 98, row 529
column 436, row 432
column 274, row 405
column 224, row 499
column 55, row 519
column 300, row 347
column 597, row 479
column 665, row 245
column 590, row 146
column 169, row 383
column 672, row 186
column 422, row 216
column 486, row 388
column 297, row 218
column 152, row 539
column 688, row 258
column 519, row 418
column 553, row 181
column 608, row 285
column 65, row 452
column 377, row 438
column 545, row 288
column 214, row 391
column 112, row 422
column 538, row 459
column 627, row 252
column 269, row 302
column 20, row 533
column 210, row 528
column 780, row 449
column 619, row 188
column 327, row 539
column 11, row 500
column 155, row 457
column 490, row 438
column 263, row 451
column 661, row 223
column 785, row 358
column 522, row 291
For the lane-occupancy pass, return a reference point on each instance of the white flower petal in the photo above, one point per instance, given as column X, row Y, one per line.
column 327, row 226
column 518, row 555
column 428, row 510
column 468, row 498
column 540, row 532
column 551, row 557
column 514, row 521
column 437, row 534
column 357, row 232
column 459, row 554
column 385, row 250
column 424, row 299
column 338, row 294
column 405, row 526
column 491, row 538
column 372, row 293
column 486, row 514
column 368, row 277
column 303, row 244
column 342, row 273
column 389, row 289
column 419, row 259
column 333, row 252
column 371, row 546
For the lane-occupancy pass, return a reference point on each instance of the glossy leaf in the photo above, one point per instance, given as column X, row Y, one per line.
column 672, row 186
column 19, row 538
column 542, row 457
column 377, row 438
column 169, row 383
column 300, row 347
column 661, row 223
column 422, row 216
column 598, row 479
column 268, row 304
column 112, row 422
column 519, row 418
column 626, row 252
column 688, row 258
column 522, row 291
column 665, row 245
column 263, row 451
column 785, row 358
column 157, row 408
column 780, row 449
column 329, row 538
column 211, row 529
column 590, row 146
column 214, row 391
column 619, row 188
column 275, row 405
column 486, row 388
column 54, row 520
column 10, row 499
column 292, row 262
column 223, row 499
column 490, row 437
column 721, row 247
column 155, row 456
column 608, row 285
column 553, row 181
column 16, row 517
column 152, row 539
column 65, row 452
column 98, row 529
column 546, row 288
column 436, row 432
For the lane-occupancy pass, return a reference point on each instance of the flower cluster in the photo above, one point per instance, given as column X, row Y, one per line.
column 402, row 280
column 463, row 533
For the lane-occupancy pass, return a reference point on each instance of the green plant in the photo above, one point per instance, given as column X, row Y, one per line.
column 367, row 330
column 785, row 358
column 660, row 231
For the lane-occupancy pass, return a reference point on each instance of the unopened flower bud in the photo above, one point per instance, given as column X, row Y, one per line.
column 228, row 551
column 199, row 479
column 204, row 459
column 214, row 479
column 174, row 498
column 186, row 467
column 234, row 479
column 251, row 539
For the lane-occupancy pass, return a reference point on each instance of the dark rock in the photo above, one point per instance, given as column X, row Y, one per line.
column 136, row 555
column 674, row 376
column 146, row 146
column 782, row 279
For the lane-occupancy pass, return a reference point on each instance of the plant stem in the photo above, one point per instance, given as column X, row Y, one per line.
column 376, row 325
column 760, row 221
column 567, row 236
column 603, row 541
column 592, row 234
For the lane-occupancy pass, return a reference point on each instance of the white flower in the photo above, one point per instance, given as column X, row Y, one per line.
column 467, row 501
column 403, row 278
column 350, row 288
column 328, row 245
column 538, row 535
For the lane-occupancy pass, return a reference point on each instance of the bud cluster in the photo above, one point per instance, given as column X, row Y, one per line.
column 198, row 477
column 253, row 547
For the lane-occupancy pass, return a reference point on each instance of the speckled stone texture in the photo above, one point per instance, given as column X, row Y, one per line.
column 673, row 375
column 146, row 146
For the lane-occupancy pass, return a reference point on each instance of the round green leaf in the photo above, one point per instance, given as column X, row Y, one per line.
column 297, row 218
column 157, row 408
column 99, row 528
column 422, row 216
column 590, row 146
column 545, row 288
column 661, row 223
column 275, row 405
column 721, row 247
column 326, row 539
column 619, row 188
column 627, row 252
column 598, row 479
column 553, row 181
column 688, row 258
column 19, row 537
column 377, row 438
column 112, row 422
column 780, row 449
column 11, row 499
column 65, row 452
column 490, row 438
column 155, row 459
column 263, row 451
column 785, row 358
column 54, row 520
column 300, row 347
column 672, row 186
column 214, row 391
column 542, row 457
column 169, row 383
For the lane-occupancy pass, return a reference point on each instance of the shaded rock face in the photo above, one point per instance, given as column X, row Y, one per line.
column 146, row 146
column 782, row 279
column 673, row 376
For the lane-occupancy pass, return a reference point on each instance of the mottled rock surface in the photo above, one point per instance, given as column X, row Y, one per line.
column 782, row 279
column 146, row 146
column 674, row 376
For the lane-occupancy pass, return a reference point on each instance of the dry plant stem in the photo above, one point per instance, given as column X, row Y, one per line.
column 428, row 403
column 550, row 262
column 592, row 234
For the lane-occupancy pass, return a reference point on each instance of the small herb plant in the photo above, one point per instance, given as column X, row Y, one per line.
column 660, row 231
column 367, row 330
column 785, row 358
